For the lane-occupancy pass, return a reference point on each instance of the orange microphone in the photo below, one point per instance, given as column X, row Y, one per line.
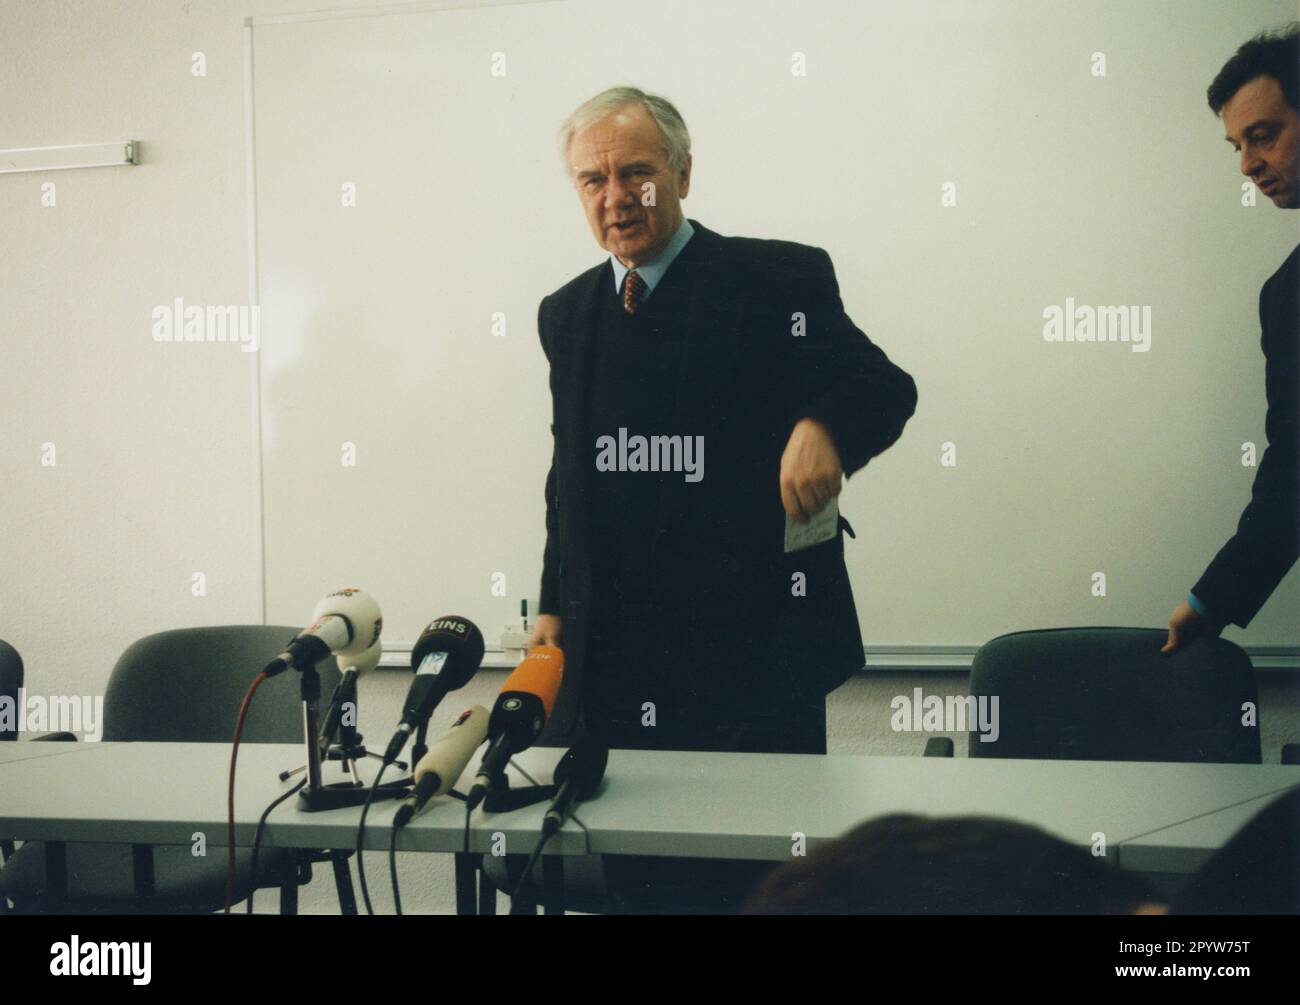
column 519, row 715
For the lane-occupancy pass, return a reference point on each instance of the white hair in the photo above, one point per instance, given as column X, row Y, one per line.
column 672, row 129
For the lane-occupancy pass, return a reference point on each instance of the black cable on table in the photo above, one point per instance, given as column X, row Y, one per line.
column 392, row 867
column 257, row 836
column 537, row 851
column 528, row 871
column 361, row 831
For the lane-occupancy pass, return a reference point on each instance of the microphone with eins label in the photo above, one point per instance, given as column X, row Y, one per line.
column 446, row 655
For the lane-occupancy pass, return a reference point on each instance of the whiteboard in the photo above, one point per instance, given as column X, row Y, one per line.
column 1071, row 459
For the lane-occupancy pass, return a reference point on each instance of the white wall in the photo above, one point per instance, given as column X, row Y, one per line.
column 1073, row 460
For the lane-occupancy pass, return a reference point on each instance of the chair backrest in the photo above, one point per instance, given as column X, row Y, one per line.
column 186, row 685
column 1108, row 694
column 11, row 680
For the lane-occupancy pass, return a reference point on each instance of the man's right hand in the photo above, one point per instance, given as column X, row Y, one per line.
column 546, row 631
column 1184, row 625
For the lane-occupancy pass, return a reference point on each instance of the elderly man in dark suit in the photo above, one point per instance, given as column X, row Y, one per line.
column 1258, row 95
column 704, row 389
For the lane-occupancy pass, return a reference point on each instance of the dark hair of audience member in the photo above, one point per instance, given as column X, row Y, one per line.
column 906, row 864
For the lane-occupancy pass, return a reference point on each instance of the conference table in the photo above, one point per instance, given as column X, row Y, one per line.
column 1148, row 816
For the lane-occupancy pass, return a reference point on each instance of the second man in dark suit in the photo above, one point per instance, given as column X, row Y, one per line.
column 1257, row 93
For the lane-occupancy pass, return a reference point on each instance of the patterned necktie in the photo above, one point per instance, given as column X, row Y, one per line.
column 633, row 291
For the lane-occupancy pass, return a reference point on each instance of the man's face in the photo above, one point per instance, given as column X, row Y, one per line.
column 1263, row 126
column 617, row 164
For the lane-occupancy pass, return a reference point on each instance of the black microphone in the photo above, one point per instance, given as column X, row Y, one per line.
column 577, row 777
column 447, row 654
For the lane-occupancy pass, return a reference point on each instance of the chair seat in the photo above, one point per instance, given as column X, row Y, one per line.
column 100, row 879
column 639, row 884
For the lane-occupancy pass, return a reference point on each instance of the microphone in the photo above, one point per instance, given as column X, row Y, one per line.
column 520, row 714
column 352, row 667
column 446, row 655
column 446, row 760
column 359, row 663
column 347, row 621
column 577, row 777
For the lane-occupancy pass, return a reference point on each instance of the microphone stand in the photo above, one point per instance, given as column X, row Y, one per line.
column 501, row 798
column 420, row 747
column 315, row 795
column 309, row 686
column 350, row 747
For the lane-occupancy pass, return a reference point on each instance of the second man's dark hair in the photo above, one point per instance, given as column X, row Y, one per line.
column 1270, row 54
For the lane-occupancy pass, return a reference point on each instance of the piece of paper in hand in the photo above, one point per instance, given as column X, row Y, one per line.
column 823, row 526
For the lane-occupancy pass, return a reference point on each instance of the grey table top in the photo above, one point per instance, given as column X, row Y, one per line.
column 753, row 804
column 25, row 750
column 166, row 793
column 651, row 803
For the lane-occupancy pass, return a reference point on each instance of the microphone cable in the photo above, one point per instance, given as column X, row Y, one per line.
column 230, row 792
column 257, row 837
column 361, row 831
column 537, row 849
column 392, row 868
column 469, row 813
column 533, row 781
column 392, row 854
column 527, row 875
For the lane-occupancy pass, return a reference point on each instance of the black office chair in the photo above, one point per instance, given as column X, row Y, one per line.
column 1109, row 694
column 584, row 889
column 11, row 682
column 185, row 685
column 11, row 679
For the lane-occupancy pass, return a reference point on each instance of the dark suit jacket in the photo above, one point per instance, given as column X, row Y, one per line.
column 1248, row 568
column 746, row 379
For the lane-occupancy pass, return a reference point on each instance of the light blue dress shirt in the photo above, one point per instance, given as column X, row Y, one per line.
column 653, row 271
